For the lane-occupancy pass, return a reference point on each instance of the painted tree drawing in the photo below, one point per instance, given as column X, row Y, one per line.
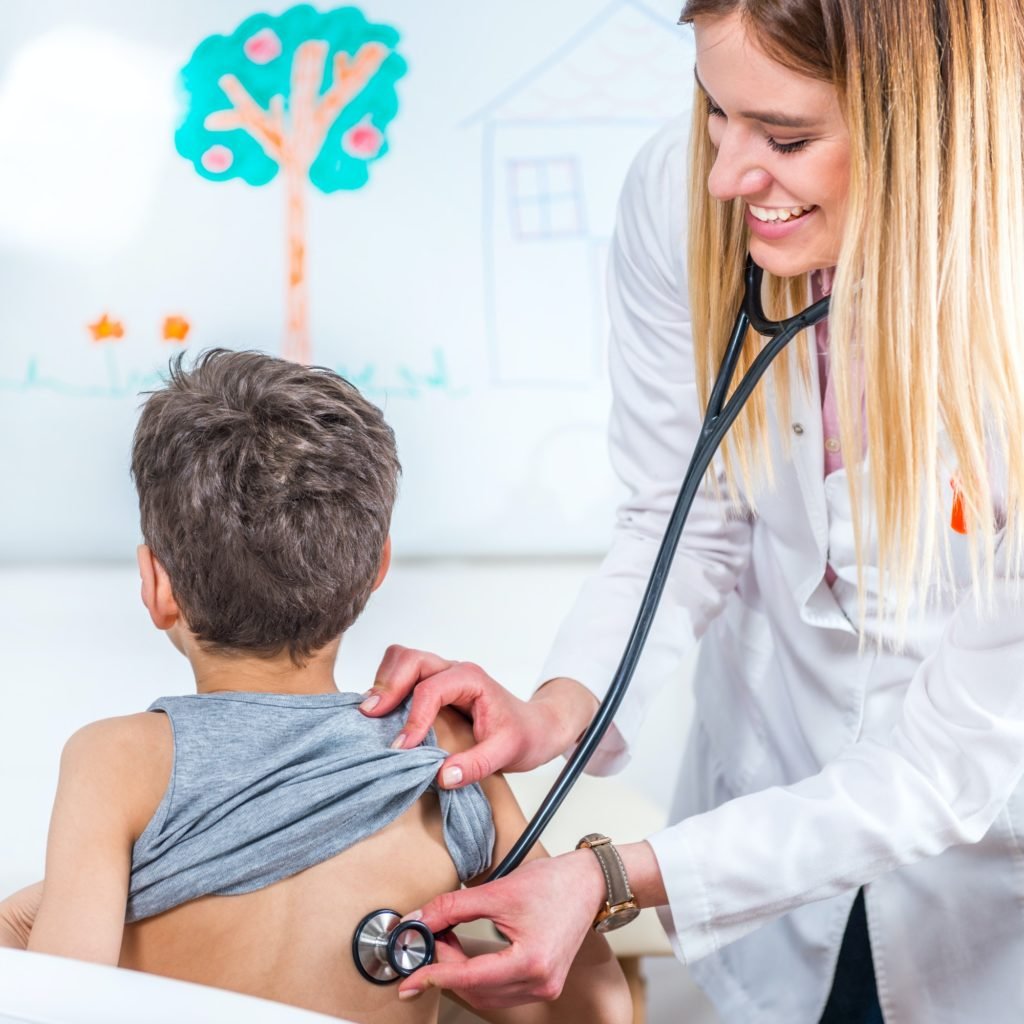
column 308, row 93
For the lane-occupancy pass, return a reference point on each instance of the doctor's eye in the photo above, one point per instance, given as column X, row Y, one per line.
column 714, row 111
column 786, row 147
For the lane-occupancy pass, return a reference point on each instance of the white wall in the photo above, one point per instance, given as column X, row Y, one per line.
column 398, row 270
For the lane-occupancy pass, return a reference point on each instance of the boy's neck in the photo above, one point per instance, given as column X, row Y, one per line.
column 218, row 673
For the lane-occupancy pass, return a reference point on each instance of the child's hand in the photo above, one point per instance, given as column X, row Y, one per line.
column 17, row 914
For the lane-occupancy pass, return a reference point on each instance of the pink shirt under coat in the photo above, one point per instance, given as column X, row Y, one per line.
column 821, row 285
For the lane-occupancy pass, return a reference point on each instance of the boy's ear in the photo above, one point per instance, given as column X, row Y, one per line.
column 385, row 563
column 157, row 595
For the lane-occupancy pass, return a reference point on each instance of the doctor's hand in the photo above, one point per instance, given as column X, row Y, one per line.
column 545, row 909
column 510, row 734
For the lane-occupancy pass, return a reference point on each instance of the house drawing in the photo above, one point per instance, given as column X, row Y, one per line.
column 556, row 145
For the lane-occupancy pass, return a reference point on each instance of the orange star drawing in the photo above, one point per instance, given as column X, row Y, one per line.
column 104, row 329
column 175, row 328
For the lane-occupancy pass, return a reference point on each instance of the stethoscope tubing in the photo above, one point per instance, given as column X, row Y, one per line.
column 375, row 955
column 720, row 416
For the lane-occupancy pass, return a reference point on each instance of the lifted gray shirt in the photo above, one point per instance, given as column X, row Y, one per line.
column 264, row 786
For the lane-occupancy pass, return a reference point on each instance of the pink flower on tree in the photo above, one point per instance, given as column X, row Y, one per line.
column 363, row 140
column 262, row 47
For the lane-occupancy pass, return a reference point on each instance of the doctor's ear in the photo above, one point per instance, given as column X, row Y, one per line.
column 385, row 563
column 157, row 595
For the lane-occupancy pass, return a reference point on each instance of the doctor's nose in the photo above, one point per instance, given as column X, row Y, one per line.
column 735, row 175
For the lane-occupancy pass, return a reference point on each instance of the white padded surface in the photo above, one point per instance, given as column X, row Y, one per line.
column 39, row 989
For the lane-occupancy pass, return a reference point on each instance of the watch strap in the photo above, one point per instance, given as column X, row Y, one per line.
column 614, row 870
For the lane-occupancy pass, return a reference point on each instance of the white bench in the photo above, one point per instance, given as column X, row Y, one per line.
column 40, row 989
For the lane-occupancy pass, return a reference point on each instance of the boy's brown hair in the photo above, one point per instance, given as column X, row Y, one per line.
column 265, row 491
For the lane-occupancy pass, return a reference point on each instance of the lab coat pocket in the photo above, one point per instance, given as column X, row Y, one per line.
column 952, row 568
column 730, row 691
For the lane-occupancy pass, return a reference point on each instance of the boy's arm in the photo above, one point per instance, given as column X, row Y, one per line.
column 112, row 776
column 17, row 913
column 595, row 989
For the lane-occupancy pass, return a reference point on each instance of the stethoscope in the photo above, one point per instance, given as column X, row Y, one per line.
column 386, row 948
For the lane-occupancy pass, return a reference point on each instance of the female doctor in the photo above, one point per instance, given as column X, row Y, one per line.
column 848, row 840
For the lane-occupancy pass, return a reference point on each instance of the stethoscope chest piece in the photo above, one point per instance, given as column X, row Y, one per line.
column 385, row 951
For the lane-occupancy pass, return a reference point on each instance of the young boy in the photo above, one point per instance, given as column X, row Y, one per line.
column 242, row 832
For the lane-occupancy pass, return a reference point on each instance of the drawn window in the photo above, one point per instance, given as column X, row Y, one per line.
column 546, row 198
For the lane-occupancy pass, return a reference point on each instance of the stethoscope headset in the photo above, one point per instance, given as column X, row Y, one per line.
column 386, row 948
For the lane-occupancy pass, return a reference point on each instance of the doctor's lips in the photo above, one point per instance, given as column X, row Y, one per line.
column 777, row 221
column 770, row 214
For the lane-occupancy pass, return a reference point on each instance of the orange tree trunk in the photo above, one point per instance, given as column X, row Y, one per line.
column 297, row 345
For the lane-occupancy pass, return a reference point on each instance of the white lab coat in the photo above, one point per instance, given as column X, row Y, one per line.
column 811, row 769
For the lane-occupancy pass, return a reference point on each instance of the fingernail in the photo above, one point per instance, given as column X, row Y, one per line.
column 409, row 993
column 413, row 915
column 370, row 703
column 399, row 741
column 451, row 776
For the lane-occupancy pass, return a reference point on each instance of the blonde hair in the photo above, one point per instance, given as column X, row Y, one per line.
column 927, row 291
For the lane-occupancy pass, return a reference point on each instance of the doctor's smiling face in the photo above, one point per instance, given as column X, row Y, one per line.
column 782, row 147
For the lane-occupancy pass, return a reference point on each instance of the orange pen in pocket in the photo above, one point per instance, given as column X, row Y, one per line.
column 957, row 520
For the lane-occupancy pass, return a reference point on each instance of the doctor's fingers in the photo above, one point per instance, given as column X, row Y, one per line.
column 401, row 670
column 533, row 967
column 509, row 977
column 460, row 906
column 490, row 706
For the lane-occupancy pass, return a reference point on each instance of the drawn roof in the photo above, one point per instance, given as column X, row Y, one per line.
column 628, row 62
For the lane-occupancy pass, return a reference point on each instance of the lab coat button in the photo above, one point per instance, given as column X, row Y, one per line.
column 798, row 428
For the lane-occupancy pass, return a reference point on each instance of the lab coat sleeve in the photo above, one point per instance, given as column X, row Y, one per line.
column 940, row 778
column 655, row 423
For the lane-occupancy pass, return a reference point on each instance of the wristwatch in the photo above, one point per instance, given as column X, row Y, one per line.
column 621, row 906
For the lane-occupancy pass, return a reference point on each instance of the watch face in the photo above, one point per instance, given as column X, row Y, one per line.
column 617, row 920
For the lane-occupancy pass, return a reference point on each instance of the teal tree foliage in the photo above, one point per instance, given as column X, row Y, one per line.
column 260, row 54
column 308, row 93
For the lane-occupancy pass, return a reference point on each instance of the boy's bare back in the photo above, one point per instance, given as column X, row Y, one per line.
column 292, row 941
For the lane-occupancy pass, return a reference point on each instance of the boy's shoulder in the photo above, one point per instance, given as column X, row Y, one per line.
column 453, row 730
column 122, row 739
column 128, row 757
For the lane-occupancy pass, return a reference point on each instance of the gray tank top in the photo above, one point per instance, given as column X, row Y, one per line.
column 264, row 786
